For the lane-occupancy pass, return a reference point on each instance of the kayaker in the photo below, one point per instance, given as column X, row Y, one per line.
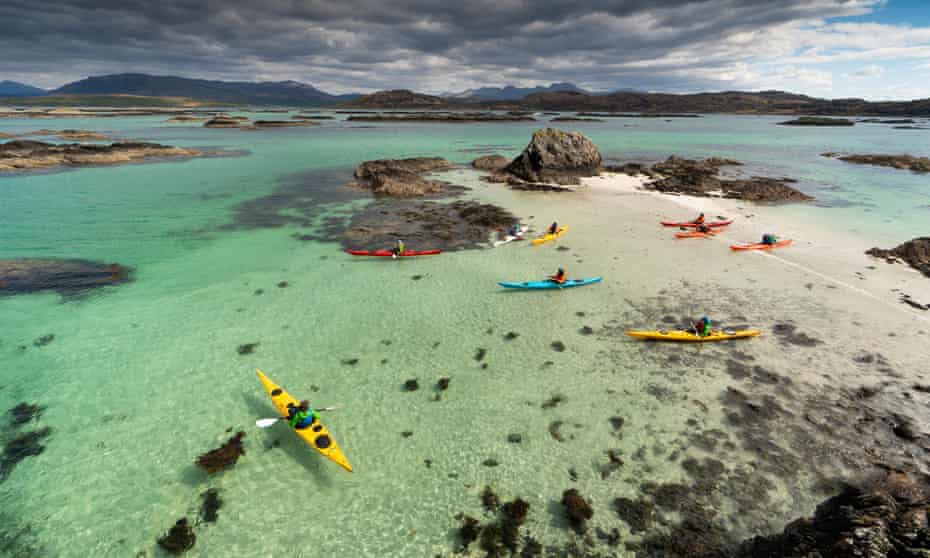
column 702, row 327
column 399, row 248
column 559, row 277
column 553, row 228
column 769, row 239
column 699, row 220
column 514, row 230
column 703, row 228
column 301, row 416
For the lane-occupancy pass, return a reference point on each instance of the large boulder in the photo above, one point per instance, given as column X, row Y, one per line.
column 556, row 156
column 915, row 252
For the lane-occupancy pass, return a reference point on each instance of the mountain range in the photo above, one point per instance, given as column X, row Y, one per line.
column 16, row 89
column 244, row 92
column 554, row 97
column 511, row 93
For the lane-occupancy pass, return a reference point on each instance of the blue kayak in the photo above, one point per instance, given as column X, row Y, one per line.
column 550, row 284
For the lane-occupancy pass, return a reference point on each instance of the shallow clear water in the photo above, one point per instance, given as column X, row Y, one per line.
column 142, row 378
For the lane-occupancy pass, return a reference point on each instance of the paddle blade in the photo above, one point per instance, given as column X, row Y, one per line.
column 266, row 422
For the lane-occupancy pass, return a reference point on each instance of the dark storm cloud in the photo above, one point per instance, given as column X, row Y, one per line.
column 372, row 44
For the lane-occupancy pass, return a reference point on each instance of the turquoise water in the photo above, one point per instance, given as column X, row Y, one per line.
column 142, row 378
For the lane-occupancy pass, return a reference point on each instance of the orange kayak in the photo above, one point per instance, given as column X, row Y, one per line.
column 761, row 246
column 695, row 234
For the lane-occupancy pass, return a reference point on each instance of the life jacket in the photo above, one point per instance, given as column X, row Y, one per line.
column 553, row 228
column 699, row 220
column 401, row 247
column 559, row 277
column 301, row 419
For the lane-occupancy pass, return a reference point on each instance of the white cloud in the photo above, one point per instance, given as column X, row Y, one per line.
column 871, row 71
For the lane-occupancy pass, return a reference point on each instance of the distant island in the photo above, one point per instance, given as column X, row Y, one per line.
column 147, row 90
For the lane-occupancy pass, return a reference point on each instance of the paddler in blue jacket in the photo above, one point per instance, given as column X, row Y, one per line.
column 301, row 416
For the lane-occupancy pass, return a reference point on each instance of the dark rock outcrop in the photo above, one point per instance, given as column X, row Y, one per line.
column 557, row 157
column 915, row 252
column 396, row 98
column 223, row 122
column 575, row 119
column 699, row 178
column 817, row 121
column 66, row 277
column 283, row 123
column 870, row 522
column 490, row 162
column 401, row 177
column 422, row 225
column 903, row 162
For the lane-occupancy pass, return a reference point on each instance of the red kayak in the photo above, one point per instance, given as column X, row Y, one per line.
column 695, row 225
column 388, row 253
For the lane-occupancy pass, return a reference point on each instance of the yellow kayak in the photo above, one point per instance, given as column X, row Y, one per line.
column 317, row 435
column 550, row 236
column 687, row 336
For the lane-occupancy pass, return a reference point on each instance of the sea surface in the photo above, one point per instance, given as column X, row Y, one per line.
column 142, row 378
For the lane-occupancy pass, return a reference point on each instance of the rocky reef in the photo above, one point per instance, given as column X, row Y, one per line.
column 915, row 253
column 903, row 162
column 555, row 156
column 426, row 225
column 18, row 155
column 887, row 518
column 692, row 177
column 66, row 277
column 817, row 121
column 401, row 177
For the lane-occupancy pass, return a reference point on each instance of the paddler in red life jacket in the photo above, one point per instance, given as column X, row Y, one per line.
column 559, row 277
column 553, row 228
column 699, row 220
column 301, row 416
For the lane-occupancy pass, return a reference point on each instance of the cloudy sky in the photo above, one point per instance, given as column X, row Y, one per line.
column 877, row 49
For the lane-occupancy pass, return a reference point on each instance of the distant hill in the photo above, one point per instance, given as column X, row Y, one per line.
column 100, row 101
column 397, row 99
column 511, row 93
column 16, row 89
column 283, row 93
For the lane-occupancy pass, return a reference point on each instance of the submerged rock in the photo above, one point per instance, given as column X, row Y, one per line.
column 211, row 505
column 66, row 277
column 21, row 447
column 915, row 252
column 224, row 456
column 557, row 157
column 179, row 539
column 577, row 509
column 20, row 155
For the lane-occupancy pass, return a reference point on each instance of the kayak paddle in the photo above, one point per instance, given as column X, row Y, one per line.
column 266, row 422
